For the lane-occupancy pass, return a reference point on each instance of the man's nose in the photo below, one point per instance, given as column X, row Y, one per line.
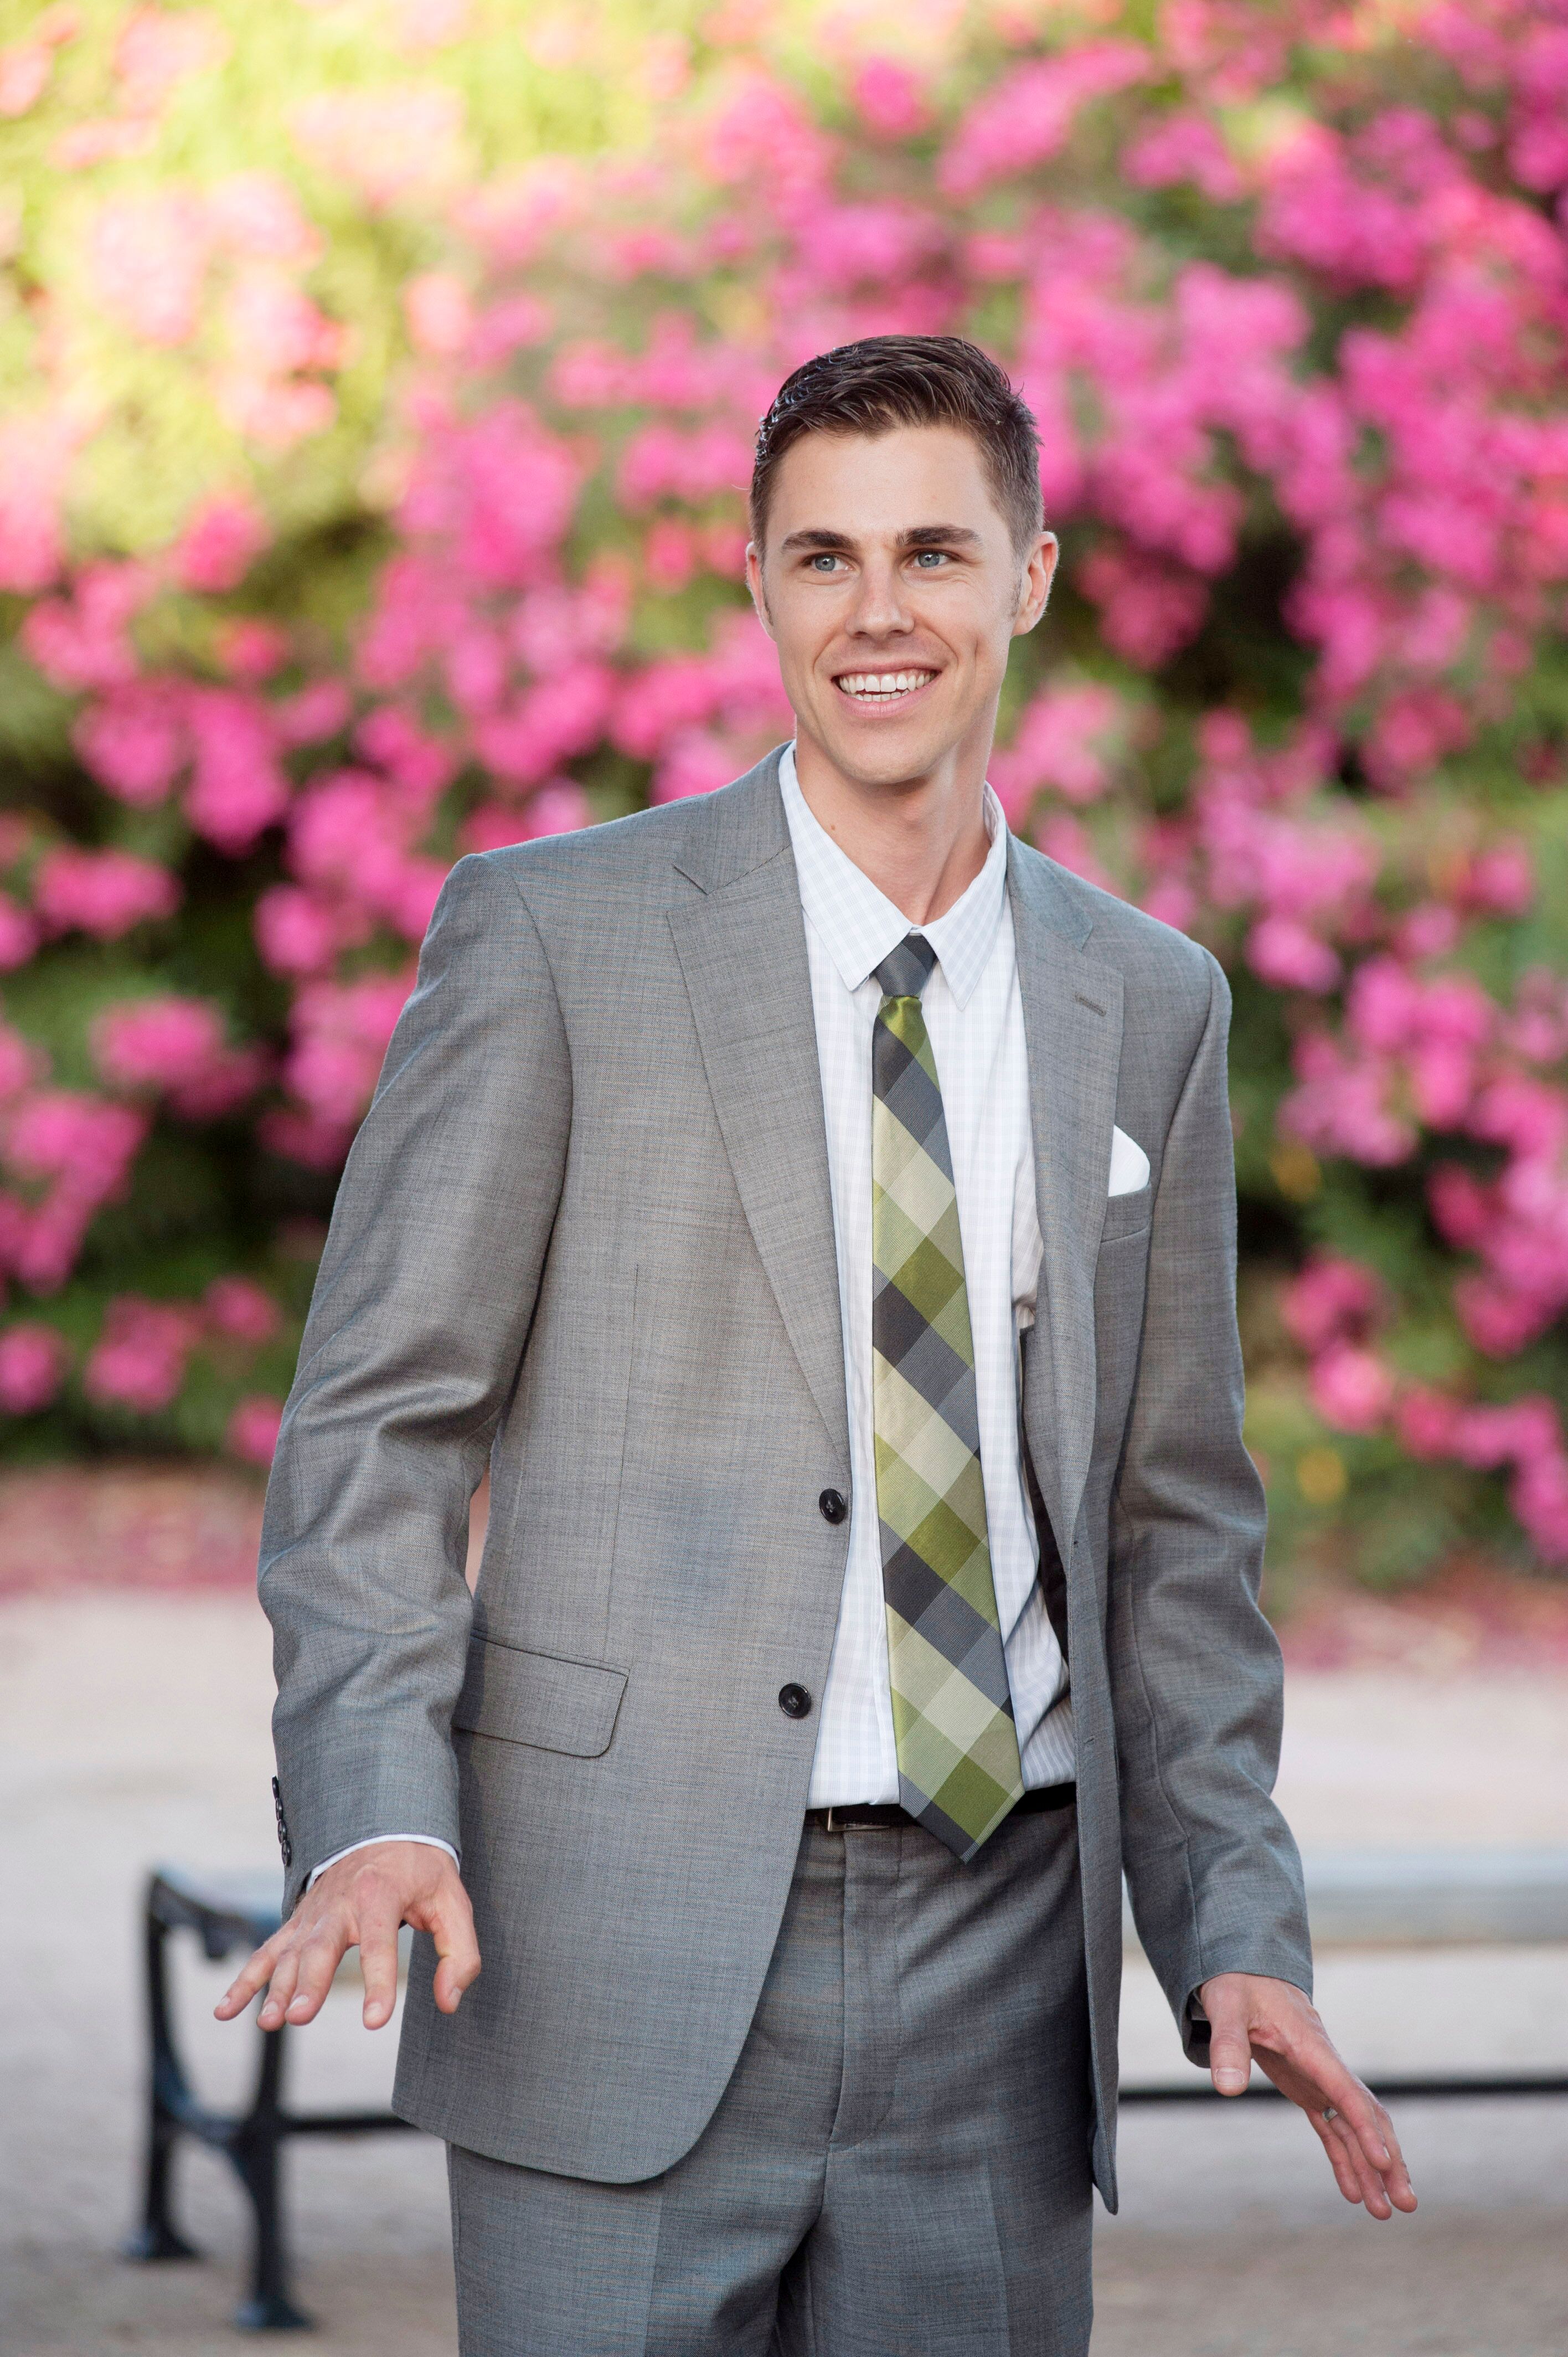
column 881, row 607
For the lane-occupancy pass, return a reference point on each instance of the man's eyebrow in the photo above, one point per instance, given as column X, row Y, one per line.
column 939, row 536
column 919, row 535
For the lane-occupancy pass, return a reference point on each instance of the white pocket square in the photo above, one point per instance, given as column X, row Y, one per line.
column 1129, row 1164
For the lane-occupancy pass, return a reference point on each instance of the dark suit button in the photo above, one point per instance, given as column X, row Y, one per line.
column 793, row 1700
column 833, row 1506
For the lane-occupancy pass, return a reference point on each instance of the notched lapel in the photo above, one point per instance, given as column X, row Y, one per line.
column 743, row 955
column 1072, row 1024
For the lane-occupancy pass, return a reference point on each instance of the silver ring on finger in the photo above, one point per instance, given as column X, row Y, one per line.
column 1328, row 2112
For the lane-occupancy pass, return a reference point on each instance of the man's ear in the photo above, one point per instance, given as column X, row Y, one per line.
column 1035, row 584
column 754, row 584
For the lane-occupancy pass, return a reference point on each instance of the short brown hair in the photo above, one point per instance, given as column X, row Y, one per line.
column 885, row 381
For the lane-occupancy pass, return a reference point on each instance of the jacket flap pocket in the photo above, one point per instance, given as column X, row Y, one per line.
column 1127, row 1215
column 539, row 1698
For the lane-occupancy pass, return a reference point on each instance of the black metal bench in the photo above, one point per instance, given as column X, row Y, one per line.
column 226, row 1912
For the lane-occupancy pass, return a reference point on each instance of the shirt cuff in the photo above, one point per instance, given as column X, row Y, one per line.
column 426, row 1841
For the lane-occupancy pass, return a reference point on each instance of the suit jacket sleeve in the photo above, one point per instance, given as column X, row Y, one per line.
column 1195, row 1674
column 416, row 1330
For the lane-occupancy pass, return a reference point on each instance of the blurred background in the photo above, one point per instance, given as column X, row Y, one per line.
column 377, row 382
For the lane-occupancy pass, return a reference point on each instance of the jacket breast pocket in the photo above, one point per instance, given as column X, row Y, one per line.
column 1127, row 1215
column 539, row 1698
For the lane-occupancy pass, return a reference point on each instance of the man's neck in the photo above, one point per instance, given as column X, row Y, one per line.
column 922, row 841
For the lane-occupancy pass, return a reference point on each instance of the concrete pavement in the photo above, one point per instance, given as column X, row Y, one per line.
column 133, row 1728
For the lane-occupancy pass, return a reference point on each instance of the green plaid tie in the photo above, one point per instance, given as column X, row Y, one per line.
column 952, row 1713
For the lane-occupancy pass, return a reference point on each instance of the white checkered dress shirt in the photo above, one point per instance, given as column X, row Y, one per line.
column 974, row 1014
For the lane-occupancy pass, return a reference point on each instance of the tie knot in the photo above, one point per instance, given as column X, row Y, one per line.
column 904, row 972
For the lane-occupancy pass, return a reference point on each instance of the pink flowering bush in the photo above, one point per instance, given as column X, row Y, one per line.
column 374, row 492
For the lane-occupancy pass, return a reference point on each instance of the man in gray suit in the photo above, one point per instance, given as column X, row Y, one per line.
column 817, row 1209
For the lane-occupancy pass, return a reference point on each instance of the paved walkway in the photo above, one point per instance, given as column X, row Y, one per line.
column 133, row 1726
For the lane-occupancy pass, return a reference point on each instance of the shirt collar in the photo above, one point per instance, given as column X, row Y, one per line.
column 859, row 926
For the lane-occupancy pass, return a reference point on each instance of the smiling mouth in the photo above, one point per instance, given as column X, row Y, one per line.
column 881, row 688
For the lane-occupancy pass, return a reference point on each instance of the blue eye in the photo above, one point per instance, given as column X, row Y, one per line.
column 932, row 556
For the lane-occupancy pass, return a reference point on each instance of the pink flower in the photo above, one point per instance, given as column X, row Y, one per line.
column 439, row 313
column 159, row 48
column 83, row 640
column 32, row 1360
column 18, row 1063
column 496, row 494
column 1526, row 1427
column 219, row 544
column 1461, row 1206
column 1183, row 146
column 64, row 1132
column 695, row 762
column 148, row 255
column 1426, row 1421
column 1062, row 741
column 1331, row 1300
column 506, row 326
column 559, row 808
column 238, row 787
column 315, row 713
column 252, row 651
column 548, row 724
column 24, row 75
column 340, row 1035
column 295, row 932
column 139, row 1359
column 18, row 935
column 81, row 1149
column 1289, row 956
column 241, row 1310
column 395, row 145
column 35, row 449
column 1342, row 1105
column 1351, row 1389
column 257, row 214
column 1063, row 838
column 133, row 739
column 253, row 1431
column 890, row 99
column 1146, row 611
column 1501, row 880
column 669, row 554
column 157, row 1043
column 103, row 893
column 1028, row 115
column 1497, row 1320
column 491, row 827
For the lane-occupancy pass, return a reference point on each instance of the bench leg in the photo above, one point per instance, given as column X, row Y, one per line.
column 157, row 2237
column 254, row 2151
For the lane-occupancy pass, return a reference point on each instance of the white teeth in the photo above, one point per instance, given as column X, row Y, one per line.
column 882, row 682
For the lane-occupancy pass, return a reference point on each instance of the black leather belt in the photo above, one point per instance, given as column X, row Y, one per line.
column 889, row 1814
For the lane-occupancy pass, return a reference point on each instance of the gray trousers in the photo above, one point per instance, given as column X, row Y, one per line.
column 899, row 2166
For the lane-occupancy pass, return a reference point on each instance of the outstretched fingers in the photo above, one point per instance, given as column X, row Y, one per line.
column 381, row 1918
column 1362, row 2129
column 451, row 1926
column 1230, row 2055
column 254, row 1975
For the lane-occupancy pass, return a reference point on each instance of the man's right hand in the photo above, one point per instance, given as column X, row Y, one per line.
column 362, row 1901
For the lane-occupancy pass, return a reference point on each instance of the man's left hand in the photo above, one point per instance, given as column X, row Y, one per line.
column 1271, row 2023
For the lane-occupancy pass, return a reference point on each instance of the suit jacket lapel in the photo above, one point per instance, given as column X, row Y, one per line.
column 742, row 949
column 1072, row 1024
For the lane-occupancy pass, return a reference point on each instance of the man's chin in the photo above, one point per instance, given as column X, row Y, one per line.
column 884, row 753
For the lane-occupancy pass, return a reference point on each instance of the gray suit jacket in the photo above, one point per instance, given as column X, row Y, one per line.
column 584, row 1233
